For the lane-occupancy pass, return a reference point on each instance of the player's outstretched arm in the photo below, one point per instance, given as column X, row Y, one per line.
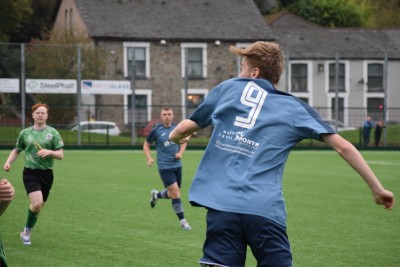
column 353, row 157
column 11, row 158
column 183, row 130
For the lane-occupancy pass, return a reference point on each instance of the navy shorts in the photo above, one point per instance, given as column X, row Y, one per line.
column 228, row 235
column 170, row 176
column 38, row 180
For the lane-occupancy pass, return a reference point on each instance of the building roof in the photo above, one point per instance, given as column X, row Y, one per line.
column 303, row 39
column 190, row 20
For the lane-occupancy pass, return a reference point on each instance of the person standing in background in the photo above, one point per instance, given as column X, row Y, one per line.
column 42, row 144
column 169, row 156
column 367, row 127
column 378, row 132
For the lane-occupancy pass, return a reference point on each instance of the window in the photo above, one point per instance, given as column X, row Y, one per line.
column 375, row 77
column 332, row 72
column 239, row 59
column 66, row 21
column 194, row 98
column 298, row 77
column 70, row 22
column 142, row 107
column 137, row 55
column 340, row 109
column 304, row 99
column 194, row 61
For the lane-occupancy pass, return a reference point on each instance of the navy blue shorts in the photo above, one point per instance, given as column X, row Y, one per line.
column 38, row 180
column 170, row 176
column 228, row 235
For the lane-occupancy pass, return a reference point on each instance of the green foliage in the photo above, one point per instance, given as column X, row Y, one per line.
column 13, row 13
column 328, row 13
column 57, row 58
column 35, row 23
column 382, row 14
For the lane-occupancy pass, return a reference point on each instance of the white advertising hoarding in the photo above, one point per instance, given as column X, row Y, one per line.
column 51, row 86
column 106, row 87
column 9, row 85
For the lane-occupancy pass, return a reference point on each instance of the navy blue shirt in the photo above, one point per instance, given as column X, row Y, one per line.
column 166, row 149
column 255, row 128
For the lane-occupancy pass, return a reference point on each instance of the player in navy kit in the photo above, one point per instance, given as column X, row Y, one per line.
column 169, row 156
column 239, row 179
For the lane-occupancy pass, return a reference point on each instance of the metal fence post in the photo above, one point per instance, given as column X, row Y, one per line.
column 133, row 98
column 23, row 102
column 79, row 92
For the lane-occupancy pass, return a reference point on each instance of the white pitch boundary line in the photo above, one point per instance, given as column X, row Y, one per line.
column 384, row 162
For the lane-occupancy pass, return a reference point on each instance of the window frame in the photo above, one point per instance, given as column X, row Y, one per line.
column 133, row 45
column 306, row 76
column 197, row 91
column 148, row 93
column 345, row 78
column 303, row 94
column 373, row 89
column 203, row 47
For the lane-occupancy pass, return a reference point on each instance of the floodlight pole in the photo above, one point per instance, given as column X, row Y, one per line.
column 186, row 84
column 133, row 99
column 336, row 91
column 79, row 93
column 23, row 103
column 385, row 77
column 287, row 71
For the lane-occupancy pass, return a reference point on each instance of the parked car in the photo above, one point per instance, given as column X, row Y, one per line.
column 340, row 125
column 144, row 132
column 100, row 127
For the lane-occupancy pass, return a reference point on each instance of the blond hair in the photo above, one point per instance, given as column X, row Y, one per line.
column 266, row 56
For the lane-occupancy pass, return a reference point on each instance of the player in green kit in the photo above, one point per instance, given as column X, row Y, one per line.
column 42, row 144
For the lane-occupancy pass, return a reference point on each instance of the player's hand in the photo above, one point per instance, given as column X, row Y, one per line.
column 385, row 198
column 150, row 162
column 7, row 191
column 43, row 153
column 7, row 166
column 178, row 156
column 184, row 140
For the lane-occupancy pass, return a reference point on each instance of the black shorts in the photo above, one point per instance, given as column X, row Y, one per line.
column 38, row 180
column 170, row 176
column 228, row 235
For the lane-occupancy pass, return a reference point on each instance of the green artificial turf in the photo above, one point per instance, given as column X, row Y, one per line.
column 98, row 213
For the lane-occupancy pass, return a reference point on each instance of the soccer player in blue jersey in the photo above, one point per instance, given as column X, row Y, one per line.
column 239, row 179
column 169, row 156
column 42, row 144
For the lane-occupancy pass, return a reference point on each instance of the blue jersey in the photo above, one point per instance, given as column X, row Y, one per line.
column 255, row 127
column 166, row 149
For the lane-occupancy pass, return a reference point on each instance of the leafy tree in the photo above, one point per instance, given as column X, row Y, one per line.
column 329, row 13
column 35, row 23
column 56, row 58
column 382, row 14
column 13, row 13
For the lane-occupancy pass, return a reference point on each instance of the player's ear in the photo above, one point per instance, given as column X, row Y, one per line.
column 255, row 73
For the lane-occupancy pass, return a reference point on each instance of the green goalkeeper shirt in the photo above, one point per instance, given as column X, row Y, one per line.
column 31, row 140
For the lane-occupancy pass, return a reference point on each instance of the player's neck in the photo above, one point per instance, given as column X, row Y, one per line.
column 39, row 126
